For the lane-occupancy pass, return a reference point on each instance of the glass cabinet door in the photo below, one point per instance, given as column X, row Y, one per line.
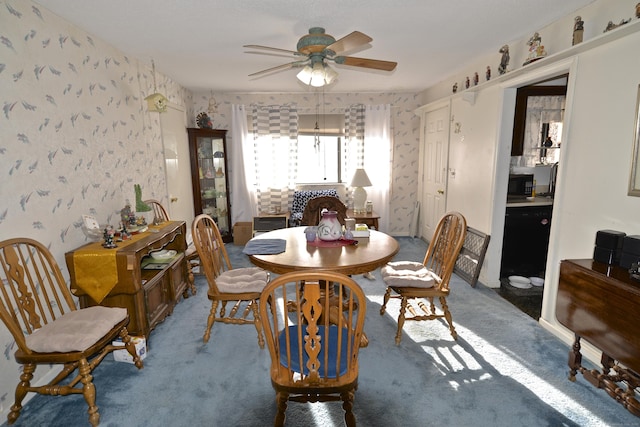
column 209, row 176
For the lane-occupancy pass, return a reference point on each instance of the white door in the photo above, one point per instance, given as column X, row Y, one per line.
column 435, row 152
column 178, row 166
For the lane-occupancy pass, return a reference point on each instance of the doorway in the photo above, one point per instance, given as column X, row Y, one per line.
column 535, row 148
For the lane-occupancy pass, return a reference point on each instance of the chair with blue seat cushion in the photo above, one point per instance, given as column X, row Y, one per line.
column 429, row 279
column 313, row 322
column 300, row 199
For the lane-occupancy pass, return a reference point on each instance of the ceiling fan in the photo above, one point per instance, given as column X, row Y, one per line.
column 316, row 48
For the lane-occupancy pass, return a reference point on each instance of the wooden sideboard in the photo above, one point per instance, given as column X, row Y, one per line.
column 601, row 304
column 148, row 294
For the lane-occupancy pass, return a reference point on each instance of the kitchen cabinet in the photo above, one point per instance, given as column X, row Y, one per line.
column 209, row 177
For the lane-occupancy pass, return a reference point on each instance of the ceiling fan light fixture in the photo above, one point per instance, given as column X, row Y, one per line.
column 317, row 75
column 329, row 74
column 305, row 75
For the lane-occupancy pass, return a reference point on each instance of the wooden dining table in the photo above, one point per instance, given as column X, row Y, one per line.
column 366, row 255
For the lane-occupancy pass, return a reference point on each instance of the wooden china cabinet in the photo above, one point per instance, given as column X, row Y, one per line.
column 209, row 177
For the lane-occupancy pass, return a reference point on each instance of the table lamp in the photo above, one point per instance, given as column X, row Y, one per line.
column 360, row 179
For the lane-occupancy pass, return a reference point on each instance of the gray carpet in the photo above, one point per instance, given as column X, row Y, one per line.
column 504, row 370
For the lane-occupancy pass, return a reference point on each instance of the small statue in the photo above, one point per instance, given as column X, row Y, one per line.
column 125, row 213
column 638, row 10
column 108, row 235
column 578, row 31
column 467, row 83
column 504, row 61
column 476, row 79
column 488, row 73
column 536, row 50
column 455, row 87
column 612, row 26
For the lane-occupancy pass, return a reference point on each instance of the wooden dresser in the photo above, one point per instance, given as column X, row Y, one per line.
column 148, row 294
column 601, row 304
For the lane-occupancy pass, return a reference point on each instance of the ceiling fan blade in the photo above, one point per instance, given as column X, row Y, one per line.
column 366, row 63
column 275, row 49
column 350, row 42
column 278, row 68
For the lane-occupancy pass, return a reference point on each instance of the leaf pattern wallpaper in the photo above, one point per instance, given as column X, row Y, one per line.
column 75, row 136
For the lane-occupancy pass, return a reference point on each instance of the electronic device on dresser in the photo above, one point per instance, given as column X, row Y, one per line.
column 520, row 186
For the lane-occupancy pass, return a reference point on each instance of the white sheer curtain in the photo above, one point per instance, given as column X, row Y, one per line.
column 243, row 207
column 377, row 159
column 275, row 157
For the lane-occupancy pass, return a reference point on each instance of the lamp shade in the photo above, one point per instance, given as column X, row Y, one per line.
column 360, row 179
column 317, row 74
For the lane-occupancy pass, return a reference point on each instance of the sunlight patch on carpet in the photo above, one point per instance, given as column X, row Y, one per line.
column 511, row 368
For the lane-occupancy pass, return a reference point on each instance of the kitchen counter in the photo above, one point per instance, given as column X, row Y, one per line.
column 533, row 201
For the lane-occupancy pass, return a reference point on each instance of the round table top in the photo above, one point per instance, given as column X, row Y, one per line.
column 369, row 254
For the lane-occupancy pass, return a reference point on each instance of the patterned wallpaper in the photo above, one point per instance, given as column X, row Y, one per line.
column 74, row 137
column 405, row 124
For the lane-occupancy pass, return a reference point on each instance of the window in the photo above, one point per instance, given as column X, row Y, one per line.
column 321, row 151
column 319, row 160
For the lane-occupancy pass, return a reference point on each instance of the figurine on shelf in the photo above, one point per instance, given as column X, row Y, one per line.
column 578, row 31
column 476, row 79
column 109, row 234
column 612, row 26
column 454, row 89
column 504, row 61
column 467, row 83
column 536, row 49
column 488, row 73
column 638, row 10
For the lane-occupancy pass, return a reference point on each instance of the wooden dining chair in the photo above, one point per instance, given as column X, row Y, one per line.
column 411, row 280
column 313, row 210
column 38, row 309
column 240, row 285
column 313, row 322
column 160, row 215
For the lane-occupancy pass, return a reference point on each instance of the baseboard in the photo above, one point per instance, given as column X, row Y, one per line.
column 591, row 353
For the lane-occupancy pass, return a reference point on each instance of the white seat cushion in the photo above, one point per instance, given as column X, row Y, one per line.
column 240, row 280
column 408, row 274
column 77, row 330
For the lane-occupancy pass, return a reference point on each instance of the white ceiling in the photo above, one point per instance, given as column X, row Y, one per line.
column 198, row 43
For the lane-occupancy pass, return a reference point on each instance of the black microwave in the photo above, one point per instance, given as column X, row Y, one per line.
column 520, row 185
